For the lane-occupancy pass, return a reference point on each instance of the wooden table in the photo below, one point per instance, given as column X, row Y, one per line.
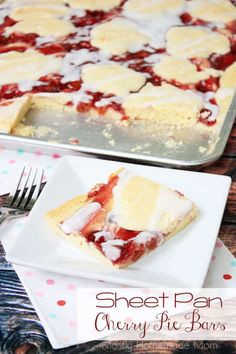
column 20, row 328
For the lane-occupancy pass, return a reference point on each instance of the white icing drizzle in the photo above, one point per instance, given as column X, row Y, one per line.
column 70, row 67
column 124, row 177
column 82, row 34
column 154, row 58
column 167, row 203
column 107, row 101
column 80, row 96
column 106, row 234
column 146, row 236
column 110, row 246
column 74, row 12
column 111, row 251
column 3, row 13
column 214, row 111
column 157, row 29
column 43, row 40
column 224, row 92
column 78, row 220
column 27, row 85
column 206, row 97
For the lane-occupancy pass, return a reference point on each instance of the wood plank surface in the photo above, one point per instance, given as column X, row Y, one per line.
column 20, row 328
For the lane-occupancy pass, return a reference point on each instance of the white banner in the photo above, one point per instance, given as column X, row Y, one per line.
column 156, row 314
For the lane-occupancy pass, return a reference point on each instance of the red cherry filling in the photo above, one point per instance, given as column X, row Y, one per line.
column 91, row 18
column 231, row 26
column 130, row 251
column 10, row 91
column 204, row 115
column 85, row 107
column 15, row 48
column 221, row 62
column 131, row 56
column 101, row 193
column 65, row 47
column 52, row 83
column 28, row 38
column 187, row 19
column 17, row 42
column 8, row 22
column 210, row 84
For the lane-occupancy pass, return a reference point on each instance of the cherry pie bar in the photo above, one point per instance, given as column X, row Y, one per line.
column 124, row 219
column 165, row 61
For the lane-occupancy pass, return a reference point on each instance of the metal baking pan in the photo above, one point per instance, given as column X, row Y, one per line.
column 69, row 133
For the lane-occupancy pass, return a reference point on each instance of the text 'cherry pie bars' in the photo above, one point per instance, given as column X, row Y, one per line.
column 124, row 219
column 167, row 61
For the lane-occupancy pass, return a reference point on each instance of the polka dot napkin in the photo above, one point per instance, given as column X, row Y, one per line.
column 53, row 295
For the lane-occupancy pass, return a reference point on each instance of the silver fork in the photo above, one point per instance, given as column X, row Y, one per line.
column 23, row 196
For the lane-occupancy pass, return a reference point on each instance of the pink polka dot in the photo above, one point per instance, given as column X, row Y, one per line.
column 38, row 153
column 56, row 156
column 44, row 178
column 50, row 281
column 213, row 258
column 227, row 276
column 29, row 274
column 12, row 161
column 73, row 324
column 39, row 293
column 71, row 287
column 219, row 244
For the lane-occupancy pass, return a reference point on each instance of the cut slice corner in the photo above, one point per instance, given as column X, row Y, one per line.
column 12, row 112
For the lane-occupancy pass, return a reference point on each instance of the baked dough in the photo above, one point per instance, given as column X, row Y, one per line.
column 153, row 7
column 212, row 10
column 190, row 42
column 37, row 11
column 111, row 79
column 12, row 112
column 30, row 65
column 136, row 204
column 94, row 4
column 43, row 27
column 56, row 101
column 164, row 104
column 182, row 70
column 228, row 79
column 141, row 204
column 223, row 98
column 117, row 36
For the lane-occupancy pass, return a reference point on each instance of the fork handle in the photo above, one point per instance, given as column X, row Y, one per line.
column 6, row 214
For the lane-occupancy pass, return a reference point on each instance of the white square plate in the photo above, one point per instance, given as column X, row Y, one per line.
column 181, row 262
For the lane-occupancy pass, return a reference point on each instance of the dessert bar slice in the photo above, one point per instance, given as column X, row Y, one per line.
column 12, row 112
column 124, row 219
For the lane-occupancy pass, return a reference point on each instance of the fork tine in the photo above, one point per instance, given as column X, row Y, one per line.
column 29, row 189
column 17, row 202
column 32, row 199
column 13, row 193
